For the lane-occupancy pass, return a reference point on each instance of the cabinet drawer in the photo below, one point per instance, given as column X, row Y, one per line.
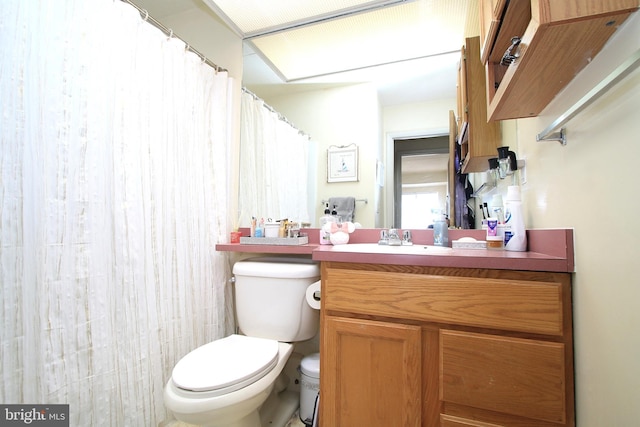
column 509, row 375
column 451, row 421
column 513, row 305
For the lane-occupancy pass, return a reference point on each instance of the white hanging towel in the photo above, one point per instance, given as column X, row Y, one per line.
column 345, row 206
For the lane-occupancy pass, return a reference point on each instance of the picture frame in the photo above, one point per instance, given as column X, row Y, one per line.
column 342, row 164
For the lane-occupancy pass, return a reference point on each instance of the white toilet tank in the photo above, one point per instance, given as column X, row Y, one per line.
column 271, row 298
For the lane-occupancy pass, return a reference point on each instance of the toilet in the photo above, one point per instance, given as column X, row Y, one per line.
column 226, row 382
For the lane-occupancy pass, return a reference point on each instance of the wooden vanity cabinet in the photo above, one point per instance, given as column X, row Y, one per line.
column 479, row 140
column 428, row 346
column 558, row 39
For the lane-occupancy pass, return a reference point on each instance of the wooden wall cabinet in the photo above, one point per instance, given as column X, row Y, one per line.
column 558, row 39
column 427, row 346
column 479, row 140
column 490, row 19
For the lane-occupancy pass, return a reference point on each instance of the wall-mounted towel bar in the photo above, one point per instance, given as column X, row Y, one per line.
column 365, row 201
column 611, row 80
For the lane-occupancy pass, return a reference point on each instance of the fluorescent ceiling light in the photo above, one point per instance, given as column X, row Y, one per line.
column 303, row 39
column 255, row 17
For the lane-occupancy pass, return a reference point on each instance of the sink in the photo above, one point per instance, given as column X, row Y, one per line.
column 374, row 248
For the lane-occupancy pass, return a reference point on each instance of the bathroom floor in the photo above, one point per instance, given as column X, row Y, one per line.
column 293, row 422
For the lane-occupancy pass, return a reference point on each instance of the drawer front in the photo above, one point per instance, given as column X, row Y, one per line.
column 509, row 375
column 512, row 305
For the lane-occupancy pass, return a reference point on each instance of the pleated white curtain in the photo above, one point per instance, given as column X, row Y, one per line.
column 113, row 193
column 273, row 165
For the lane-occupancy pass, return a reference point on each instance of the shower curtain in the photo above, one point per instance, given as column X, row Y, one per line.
column 113, row 193
column 273, row 165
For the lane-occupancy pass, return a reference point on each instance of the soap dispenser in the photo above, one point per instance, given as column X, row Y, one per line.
column 324, row 219
column 334, row 214
column 440, row 230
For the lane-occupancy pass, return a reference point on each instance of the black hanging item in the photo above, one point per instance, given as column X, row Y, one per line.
column 464, row 215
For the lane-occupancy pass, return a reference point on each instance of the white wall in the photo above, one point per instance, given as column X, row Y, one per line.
column 590, row 185
column 338, row 117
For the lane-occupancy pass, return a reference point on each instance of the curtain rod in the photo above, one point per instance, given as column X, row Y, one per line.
column 273, row 110
column 144, row 14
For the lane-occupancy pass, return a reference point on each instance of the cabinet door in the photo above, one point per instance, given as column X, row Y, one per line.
column 483, row 138
column 462, row 93
column 490, row 15
column 370, row 374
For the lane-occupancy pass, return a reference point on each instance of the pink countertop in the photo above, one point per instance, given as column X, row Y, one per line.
column 548, row 250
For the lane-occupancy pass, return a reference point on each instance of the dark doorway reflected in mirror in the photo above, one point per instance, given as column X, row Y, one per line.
column 421, row 182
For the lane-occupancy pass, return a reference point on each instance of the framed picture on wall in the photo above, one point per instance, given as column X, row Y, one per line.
column 342, row 163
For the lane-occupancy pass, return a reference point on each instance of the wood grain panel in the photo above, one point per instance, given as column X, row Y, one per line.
column 508, row 304
column 431, row 406
column 484, row 138
column 371, row 374
column 510, row 375
column 558, row 11
column 451, row 421
column 559, row 41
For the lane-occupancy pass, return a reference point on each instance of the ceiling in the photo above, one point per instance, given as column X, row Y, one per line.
column 408, row 48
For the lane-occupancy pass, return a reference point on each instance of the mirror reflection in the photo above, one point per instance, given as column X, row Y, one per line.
column 338, row 90
column 421, row 181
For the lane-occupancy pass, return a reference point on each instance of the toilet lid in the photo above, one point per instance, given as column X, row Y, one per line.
column 226, row 365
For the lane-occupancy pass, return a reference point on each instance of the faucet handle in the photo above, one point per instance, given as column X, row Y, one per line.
column 384, row 237
column 406, row 238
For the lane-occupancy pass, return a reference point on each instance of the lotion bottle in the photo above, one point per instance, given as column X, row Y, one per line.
column 515, row 233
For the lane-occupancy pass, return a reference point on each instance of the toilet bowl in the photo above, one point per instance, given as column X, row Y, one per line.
column 230, row 405
column 224, row 383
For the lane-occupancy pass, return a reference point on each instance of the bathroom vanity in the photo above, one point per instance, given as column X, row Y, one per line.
column 465, row 338
column 445, row 346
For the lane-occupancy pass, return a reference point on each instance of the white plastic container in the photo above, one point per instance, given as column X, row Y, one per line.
column 515, row 233
column 309, row 386
column 271, row 229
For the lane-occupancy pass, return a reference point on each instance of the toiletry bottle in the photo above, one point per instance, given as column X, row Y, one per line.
column 496, row 207
column 324, row 219
column 252, row 232
column 440, row 231
column 494, row 239
column 334, row 214
column 260, row 229
column 515, row 233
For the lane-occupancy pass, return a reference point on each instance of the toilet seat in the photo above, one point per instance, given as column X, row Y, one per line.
column 225, row 365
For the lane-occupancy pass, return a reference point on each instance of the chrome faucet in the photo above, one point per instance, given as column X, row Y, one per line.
column 394, row 237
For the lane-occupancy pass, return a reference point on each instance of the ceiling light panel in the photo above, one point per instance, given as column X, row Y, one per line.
column 398, row 33
column 258, row 16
